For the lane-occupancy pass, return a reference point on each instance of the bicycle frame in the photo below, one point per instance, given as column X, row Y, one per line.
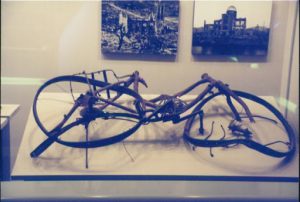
column 162, row 108
column 134, row 80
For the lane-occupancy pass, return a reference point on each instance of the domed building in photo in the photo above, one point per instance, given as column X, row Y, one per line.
column 228, row 24
column 229, row 35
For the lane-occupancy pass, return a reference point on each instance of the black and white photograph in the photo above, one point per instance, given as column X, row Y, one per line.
column 140, row 27
column 231, row 28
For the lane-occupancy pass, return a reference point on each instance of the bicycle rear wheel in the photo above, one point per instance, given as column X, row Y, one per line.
column 270, row 134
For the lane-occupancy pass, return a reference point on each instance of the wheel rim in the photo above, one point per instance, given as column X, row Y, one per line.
column 132, row 118
column 247, row 142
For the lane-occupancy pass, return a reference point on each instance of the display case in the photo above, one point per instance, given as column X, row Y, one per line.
column 184, row 122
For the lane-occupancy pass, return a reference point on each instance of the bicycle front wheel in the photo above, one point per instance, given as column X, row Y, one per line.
column 56, row 100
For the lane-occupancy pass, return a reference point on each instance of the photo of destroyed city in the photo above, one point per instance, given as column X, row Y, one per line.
column 140, row 27
column 231, row 28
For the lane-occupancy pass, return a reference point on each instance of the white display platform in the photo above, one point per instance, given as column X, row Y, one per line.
column 9, row 110
column 3, row 122
column 158, row 152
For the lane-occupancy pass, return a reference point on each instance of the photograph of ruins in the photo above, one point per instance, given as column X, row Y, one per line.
column 140, row 27
column 231, row 28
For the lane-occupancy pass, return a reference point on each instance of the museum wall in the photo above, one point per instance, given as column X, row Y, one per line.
column 293, row 92
column 40, row 40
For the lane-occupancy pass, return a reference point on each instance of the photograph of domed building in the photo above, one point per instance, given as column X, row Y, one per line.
column 140, row 27
column 231, row 28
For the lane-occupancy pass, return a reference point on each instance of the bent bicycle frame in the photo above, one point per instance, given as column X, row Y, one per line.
column 162, row 108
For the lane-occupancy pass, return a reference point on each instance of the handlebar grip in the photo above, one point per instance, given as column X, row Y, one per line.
column 42, row 147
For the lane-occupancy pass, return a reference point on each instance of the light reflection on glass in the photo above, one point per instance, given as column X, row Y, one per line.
column 254, row 66
column 21, row 81
column 287, row 104
column 42, row 48
column 234, row 59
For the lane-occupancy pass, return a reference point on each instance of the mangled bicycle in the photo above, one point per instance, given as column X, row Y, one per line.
column 108, row 103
